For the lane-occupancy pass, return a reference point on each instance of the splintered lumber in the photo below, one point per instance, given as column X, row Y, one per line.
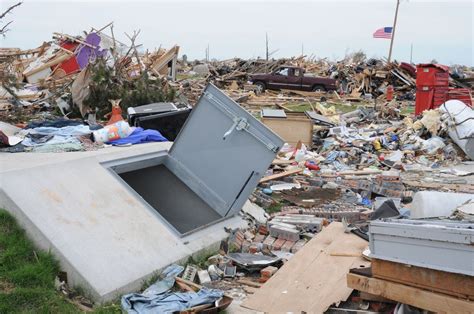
column 424, row 299
column 164, row 59
column 312, row 280
column 249, row 283
column 188, row 283
column 457, row 285
column 280, row 175
column 282, row 162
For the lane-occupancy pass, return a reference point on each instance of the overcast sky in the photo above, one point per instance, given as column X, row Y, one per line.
column 441, row 30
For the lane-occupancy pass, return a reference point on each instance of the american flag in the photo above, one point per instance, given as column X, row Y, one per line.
column 384, row 32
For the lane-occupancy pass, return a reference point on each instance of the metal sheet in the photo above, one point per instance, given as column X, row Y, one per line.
column 225, row 149
column 441, row 245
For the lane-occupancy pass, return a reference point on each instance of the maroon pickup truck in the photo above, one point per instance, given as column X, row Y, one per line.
column 290, row 77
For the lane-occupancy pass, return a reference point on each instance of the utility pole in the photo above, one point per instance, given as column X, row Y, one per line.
column 266, row 46
column 393, row 32
column 411, row 53
column 302, row 49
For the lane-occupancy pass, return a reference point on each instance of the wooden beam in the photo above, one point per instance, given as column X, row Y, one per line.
column 423, row 299
column 280, row 175
column 457, row 285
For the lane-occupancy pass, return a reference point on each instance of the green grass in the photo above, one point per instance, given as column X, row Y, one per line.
column 27, row 275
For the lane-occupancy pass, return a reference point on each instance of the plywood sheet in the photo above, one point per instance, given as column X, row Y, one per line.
column 292, row 129
column 315, row 278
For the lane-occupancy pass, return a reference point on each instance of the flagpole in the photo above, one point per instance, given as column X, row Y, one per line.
column 393, row 31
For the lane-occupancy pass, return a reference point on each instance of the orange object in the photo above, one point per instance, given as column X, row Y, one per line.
column 116, row 114
column 389, row 92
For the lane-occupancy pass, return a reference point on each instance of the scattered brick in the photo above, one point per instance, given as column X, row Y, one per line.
column 288, row 246
column 276, row 246
column 268, row 242
column 298, row 245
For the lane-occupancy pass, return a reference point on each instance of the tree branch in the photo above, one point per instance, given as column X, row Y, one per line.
column 9, row 9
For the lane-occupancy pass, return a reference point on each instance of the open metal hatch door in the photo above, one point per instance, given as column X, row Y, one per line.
column 222, row 151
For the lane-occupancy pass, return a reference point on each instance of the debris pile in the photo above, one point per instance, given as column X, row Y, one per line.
column 356, row 165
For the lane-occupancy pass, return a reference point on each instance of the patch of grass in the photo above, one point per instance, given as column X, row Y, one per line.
column 305, row 106
column 274, row 208
column 27, row 275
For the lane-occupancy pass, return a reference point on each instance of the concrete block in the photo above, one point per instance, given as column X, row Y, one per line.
column 284, row 231
column 106, row 239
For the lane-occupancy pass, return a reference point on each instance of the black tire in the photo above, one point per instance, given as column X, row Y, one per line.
column 319, row 88
column 260, row 87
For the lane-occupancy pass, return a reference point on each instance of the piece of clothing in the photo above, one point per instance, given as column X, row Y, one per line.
column 59, row 123
column 35, row 140
column 138, row 136
column 76, row 130
column 159, row 299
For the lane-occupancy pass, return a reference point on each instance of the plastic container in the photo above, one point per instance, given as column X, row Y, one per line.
column 112, row 132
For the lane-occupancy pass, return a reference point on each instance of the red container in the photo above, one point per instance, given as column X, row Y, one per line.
column 432, row 75
column 424, row 100
column 389, row 92
column 462, row 94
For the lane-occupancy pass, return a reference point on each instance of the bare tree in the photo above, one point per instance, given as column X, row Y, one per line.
column 4, row 29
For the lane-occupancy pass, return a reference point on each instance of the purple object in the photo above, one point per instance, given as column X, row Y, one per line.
column 87, row 53
column 140, row 136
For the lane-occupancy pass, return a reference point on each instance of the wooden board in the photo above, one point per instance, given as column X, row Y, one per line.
column 280, row 175
column 423, row 299
column 430, row 279
column 292, row 129
column 312, row 280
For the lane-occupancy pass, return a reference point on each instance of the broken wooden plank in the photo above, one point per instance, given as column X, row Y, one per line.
column 282, row 162
column 457, row 285
column 312, row 280
column 280, row 175
column 424, row 299
column 249, row 283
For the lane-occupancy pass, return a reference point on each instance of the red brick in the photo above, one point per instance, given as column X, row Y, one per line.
column 259, row 238
column 253, row 248
column 288, row 246
column 298, row 245
column 268, row 242
column 268, row 271
column 262, row 229
column 278, row 244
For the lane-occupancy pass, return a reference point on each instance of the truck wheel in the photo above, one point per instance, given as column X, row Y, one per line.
column 319, row 88
column 259, row 87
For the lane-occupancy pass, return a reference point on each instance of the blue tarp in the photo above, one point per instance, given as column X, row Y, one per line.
column 159, row 299
column 138, row 136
